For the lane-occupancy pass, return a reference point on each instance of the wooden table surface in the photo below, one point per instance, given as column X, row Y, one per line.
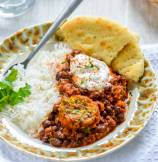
column 138, row 15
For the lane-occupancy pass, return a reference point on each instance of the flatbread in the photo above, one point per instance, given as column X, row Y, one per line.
column 107, row 41
column 97, row 37
column 129, row 62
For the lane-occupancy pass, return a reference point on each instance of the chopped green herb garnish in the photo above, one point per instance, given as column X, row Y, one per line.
column 86, row 130
column 76, row 111
column 8, row 95
column 89, row 66
column 82, row 81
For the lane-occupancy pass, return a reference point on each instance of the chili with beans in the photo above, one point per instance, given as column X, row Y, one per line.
column 82, row 117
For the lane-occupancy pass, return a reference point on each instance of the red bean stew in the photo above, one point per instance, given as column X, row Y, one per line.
column 82, row 117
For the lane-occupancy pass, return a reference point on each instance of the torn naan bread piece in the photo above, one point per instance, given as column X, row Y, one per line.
column 107, row 41
column 130, row 62
column 96, row 37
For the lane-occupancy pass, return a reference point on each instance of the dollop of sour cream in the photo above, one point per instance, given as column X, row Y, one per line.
column 89, row 73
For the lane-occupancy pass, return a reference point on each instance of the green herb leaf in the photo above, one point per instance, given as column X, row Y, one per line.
column 86, row 130
column 12, row 76
column 15, row 99
column 18, row 97
column 7, row 93
column 3, row 102
column 25, row 91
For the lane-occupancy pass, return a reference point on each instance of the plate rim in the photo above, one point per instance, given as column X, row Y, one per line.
column 97, row 155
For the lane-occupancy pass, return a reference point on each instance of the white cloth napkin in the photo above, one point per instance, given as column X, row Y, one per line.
column 143, row 148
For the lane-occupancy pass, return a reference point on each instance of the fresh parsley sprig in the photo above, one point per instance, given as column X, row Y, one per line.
column 8, row 96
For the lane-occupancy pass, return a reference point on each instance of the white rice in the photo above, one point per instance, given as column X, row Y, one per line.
column 40, row 75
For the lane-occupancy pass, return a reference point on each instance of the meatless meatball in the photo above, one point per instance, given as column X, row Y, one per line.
column 78, row 112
